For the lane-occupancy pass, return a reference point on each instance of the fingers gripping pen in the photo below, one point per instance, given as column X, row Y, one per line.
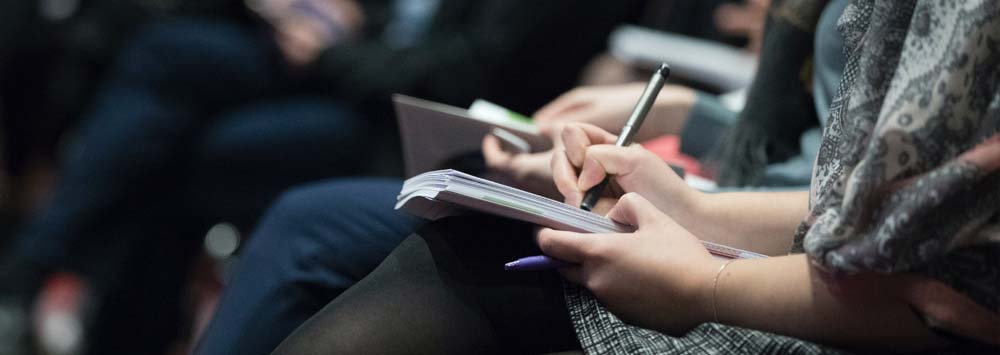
column 631, row 127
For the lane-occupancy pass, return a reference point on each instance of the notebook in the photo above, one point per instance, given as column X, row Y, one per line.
column 433, row 133
column 441, row 193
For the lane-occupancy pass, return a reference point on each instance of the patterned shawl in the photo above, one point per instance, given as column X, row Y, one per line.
column 907, row 179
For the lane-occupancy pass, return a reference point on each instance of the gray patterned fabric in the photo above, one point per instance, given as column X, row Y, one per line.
column 600, row 332
column 891, row 191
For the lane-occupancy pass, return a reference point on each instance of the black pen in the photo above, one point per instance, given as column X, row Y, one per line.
column 631, row 126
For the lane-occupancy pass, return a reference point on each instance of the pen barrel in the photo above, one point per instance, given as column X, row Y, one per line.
column 631, row 126
column 643, row 106
column 593, row 195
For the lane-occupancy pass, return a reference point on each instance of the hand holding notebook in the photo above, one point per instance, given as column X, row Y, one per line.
column 423, row 194
column 443, row 193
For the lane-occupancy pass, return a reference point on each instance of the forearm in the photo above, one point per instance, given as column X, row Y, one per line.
column 764, row 222
column 668, row 115
column 784, row 295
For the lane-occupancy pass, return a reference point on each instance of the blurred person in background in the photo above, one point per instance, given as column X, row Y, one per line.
column 205, row 120
column 736, row 23
column 53, row 54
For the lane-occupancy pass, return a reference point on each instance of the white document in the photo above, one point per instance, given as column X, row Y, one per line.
column 443, row 193
column 434, row 133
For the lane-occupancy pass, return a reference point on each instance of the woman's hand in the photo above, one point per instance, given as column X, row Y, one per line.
column 659, row 277
column 527, row 171
column 588, row 156
column 608, row 107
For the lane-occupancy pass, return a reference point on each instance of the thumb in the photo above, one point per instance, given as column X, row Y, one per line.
column 634, row 210
column 602, row 160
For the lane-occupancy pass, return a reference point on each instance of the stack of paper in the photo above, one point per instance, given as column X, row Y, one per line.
column 442, row 193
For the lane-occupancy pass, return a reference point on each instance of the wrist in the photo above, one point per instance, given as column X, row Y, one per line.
column 705, row 291
column 708, row 292
column 696, row 209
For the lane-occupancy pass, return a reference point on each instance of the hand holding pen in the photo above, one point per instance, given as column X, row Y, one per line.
column 632, row 125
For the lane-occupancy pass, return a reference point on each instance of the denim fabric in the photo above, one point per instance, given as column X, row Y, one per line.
column 313, row 244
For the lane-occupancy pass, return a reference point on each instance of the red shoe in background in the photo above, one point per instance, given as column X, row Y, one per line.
column 59, row 315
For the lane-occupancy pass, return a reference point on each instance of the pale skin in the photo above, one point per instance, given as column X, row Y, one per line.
column 741, row 220
column 609, row 106
column 661, row 277
column 604, row 106
column 783, row 294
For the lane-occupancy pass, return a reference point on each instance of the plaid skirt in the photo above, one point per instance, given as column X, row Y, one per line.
column 600, row 332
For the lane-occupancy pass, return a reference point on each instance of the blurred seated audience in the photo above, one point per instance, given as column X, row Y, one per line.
column 207, row 120
column 53, row 54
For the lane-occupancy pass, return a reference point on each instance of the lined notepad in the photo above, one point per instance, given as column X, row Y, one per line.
column 443, row 193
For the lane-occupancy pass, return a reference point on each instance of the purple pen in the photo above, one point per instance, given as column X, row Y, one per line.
column 532, row 263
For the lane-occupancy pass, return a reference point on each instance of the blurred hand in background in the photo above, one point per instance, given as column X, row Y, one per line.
column 609, row 106
column 304, row 28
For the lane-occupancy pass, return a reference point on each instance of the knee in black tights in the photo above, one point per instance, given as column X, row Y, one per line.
column 444, row 291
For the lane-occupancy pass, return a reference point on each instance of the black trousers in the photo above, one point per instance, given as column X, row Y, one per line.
column 444, row 291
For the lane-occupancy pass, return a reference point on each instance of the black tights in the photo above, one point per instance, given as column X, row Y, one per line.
column 444, row 291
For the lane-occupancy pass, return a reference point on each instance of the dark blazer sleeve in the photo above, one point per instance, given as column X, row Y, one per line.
column 516, row 52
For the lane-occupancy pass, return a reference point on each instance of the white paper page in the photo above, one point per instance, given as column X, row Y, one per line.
column 474, row 193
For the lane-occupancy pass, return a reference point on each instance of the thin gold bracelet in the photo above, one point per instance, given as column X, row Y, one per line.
column 715, row 287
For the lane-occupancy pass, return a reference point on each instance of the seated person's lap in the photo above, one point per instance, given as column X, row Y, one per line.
column 448, row 293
